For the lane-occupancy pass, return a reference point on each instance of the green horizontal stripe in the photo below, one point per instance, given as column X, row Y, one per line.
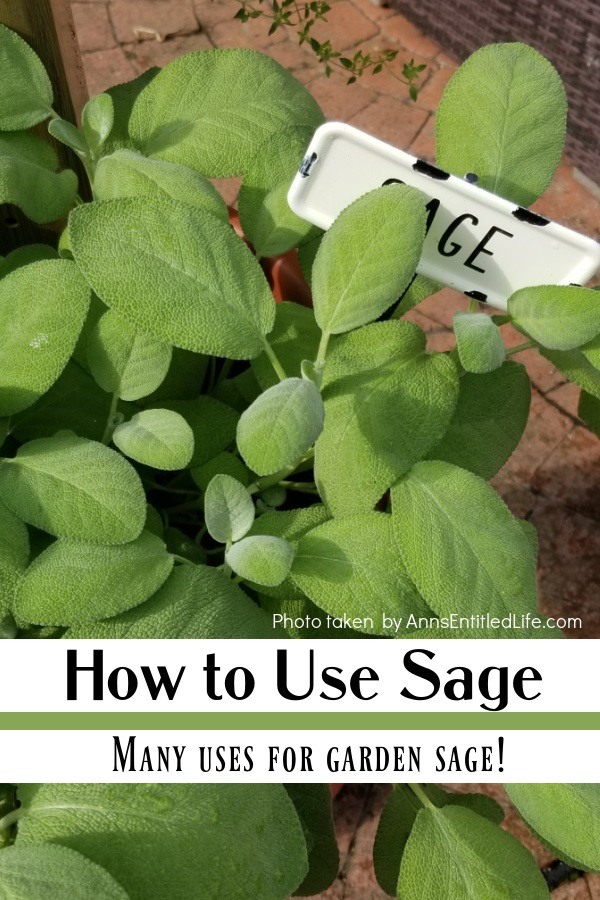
column 300, row 721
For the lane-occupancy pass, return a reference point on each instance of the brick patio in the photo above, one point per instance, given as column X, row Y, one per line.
column 554, row 477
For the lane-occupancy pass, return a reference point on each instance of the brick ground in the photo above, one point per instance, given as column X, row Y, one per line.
column 554, row 477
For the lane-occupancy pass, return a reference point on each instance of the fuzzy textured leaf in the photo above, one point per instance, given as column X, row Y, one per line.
column 295, row 337
column 72, row 583
column 261, row 559
column 387, row 401
column 38, row 871
column 313, row 805
column 212, row 422
column 159, row 438
column 42, row 310
column 28, row 177
column 97, row 120
column 14, row 554
column 228, row 509
column 196, row 602
column 124, row 361
column 213, row 110
column 454, row 854
column 144, row 833
column 488, row 422
column 349, row 565
column 175, row 273
column 224, row 463
column 565, row 815
column 559, row 317
column 74, row 488
column 578, row 367
column 503, row 116
column 25, row 90
column 128, row 174
column 368, row 257
column 589, row 411
column 462, row 547
column 479, row 342
column 280, row 426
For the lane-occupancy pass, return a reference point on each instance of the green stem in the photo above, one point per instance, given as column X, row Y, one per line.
column 279, row 370
column 322, row 351
column 528, row 345
column 303, row 487
column 225, row 370
column 11, row 818
column 182, row 559
column 473, row 306
column 201, row 533
column 422, row 796
column 269, row 480
column 108, row 431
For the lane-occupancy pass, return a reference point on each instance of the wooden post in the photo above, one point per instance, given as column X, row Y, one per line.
column 47, row 26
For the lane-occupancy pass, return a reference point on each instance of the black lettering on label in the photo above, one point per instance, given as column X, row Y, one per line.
column 432, row 208
column 454, row 247
column 482, row 248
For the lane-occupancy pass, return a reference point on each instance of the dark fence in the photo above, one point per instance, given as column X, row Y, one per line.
column 567, row 32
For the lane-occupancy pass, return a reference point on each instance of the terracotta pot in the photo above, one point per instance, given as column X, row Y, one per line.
column 335, row 789
column 283, row 272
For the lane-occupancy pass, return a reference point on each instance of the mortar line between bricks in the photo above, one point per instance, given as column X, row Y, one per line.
column 419, row 132
column 575, row 419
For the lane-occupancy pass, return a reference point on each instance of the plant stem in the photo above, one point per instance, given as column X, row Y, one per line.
column 12, row 818
column 303, row 487
column 422, row 796
column 108, row 431
column 322, row 351
column 520, row 347
column 279, row 370
column 269, row 480
column 182, row 559
column 227, row 571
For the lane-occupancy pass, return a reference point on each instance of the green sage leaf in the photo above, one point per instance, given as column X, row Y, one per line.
column 66, row 133
column 589, row 411
column 26, row 95
column 128, row 174
column 74, row 488
column 126, row 362
column 159, row 438
column 488, row 422
column 181, row 276
column 72, row 583
column 213, row 424
column 398, row 818
column 313, row 805
column 479, row 342
column 295, row 337
column 560, row 317
column 261, row 559
column 43, row 308
column 97, row 120
column 503, row 116
column 368, row 257
column 37, row 871
column 214, row 110
column 281, row 426
column 25, row 255
column 228, row 509
column 387, row 401
column 224, row 463
column 578, row 367
column 349, row 566
column 461, row 546
column 195, row 602
column 28, row 177
column 453, row 853
column 146, row 834
column 123, row 97
column 14, row 554
column 567, row 816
